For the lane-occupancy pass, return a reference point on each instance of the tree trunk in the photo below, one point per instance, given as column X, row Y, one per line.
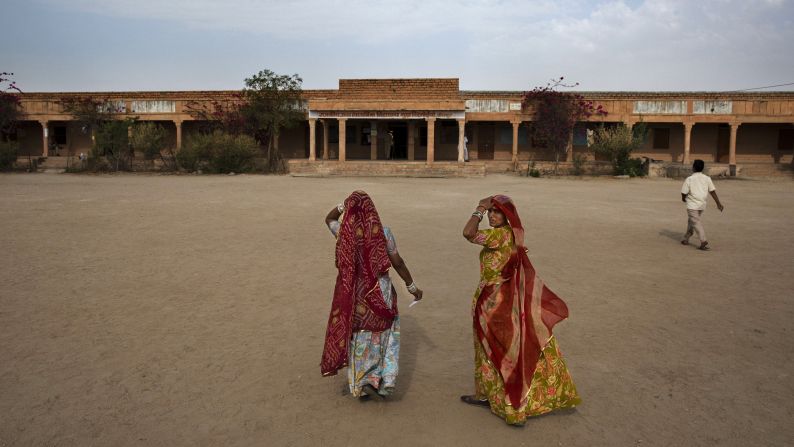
column 275, row 145
column 556, row 161
column 273, row 154
column 269, row 148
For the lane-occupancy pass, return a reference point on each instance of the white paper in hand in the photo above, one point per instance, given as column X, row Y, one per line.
column 413, row 303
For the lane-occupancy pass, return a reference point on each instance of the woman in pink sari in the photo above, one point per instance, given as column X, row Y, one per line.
column 519, row 370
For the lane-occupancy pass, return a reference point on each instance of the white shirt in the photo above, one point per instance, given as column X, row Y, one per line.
column 697, row 188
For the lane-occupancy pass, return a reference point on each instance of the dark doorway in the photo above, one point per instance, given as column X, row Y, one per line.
column 723, row 143
column 485, row 141
column 400, row 132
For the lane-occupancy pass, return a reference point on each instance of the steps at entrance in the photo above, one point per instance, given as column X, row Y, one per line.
column 767, row 170
column 364, row 168
column 54, row 163
column 44, row 164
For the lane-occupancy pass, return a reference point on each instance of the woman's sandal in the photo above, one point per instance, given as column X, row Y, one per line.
column 369, row 391
column 471, row 400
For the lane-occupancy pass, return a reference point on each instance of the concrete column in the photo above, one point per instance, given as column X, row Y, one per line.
column 312, row 139
column 687, row 140
column 325, row 139
column 373, row 140
column 515, row 142
column 411, row 140
column 45, row 137
column 461, row 135
column 475, row 140
column 178, row 125
column 569, row 148
column 342, row 137
column 732, row 153
column 431, row 140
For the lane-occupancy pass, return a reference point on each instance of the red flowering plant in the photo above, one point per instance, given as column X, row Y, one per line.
column 556, row 114
column 224, row 115
column 10, row 105
column 10, row 114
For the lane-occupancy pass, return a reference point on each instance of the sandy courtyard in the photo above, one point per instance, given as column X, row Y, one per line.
column 190, row 311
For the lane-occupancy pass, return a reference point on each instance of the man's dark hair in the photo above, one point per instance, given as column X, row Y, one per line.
column 698, row 165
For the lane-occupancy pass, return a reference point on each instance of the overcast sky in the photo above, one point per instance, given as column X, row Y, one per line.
column 112, row 45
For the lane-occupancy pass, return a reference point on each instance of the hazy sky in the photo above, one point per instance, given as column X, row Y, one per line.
column 106, row 45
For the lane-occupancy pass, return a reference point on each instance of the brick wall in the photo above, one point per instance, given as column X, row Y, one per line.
column 437, row 88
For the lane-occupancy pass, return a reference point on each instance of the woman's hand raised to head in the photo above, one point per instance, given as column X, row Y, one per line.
column 486, row 203
column 474, row 221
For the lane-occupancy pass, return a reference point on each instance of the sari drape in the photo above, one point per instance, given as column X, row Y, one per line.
column 358, row 303
column 514, row 317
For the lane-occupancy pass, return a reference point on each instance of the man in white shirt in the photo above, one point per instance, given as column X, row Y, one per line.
column 695, row 194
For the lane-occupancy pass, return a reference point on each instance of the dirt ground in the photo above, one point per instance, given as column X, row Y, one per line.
column 143, row 310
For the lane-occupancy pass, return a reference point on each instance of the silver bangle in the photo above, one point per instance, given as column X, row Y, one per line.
column 411, row 287
column 341, row 208
column 477, row 214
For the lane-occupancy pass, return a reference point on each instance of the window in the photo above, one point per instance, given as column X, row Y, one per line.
column 60, row 135
column 523, row 135
column 505, row 133
column 365, row 135
column 785, row 140
column 580, row 135
column 661, row 138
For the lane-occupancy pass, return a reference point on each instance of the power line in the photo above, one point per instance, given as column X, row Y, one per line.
column 761, row 88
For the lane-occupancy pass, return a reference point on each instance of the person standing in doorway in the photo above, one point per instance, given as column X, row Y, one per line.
column 465, row 148
column 389, row 146
column 694, row 193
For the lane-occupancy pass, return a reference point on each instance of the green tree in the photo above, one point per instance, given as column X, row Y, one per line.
column 617, row 143
column 112, row 141
column 268, row 103
column 152, row 139
column 219, row 152
column 272, row 102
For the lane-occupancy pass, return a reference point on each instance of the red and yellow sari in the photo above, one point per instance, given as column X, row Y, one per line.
column 518, row 367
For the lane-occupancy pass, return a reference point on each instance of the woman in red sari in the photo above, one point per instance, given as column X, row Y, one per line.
column 364, row 326
column 519, row 371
